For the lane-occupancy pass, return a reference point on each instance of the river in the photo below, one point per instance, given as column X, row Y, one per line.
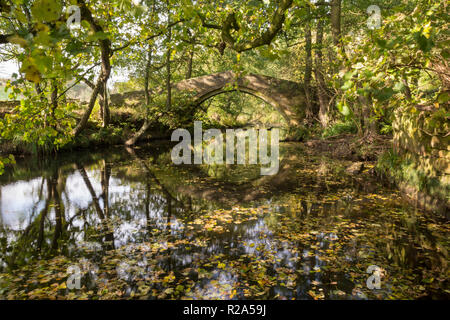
column 119, row 224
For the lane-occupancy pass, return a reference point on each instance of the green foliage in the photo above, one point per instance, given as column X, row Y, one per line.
column 299, row 133
column 5, row 94
column 386, row 128
column 32, row 123
column 107, row 136
column 340, row 128
column 6, row 161
column 388, row 161
column 398, row 61
column 420, row 175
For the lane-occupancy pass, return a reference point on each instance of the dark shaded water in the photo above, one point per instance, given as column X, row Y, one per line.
column 134, row 225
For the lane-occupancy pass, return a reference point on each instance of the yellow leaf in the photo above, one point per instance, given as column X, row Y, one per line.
column 18, row 40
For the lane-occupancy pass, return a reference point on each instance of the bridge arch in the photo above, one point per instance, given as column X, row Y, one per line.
column 285, row 96
column 211, row 94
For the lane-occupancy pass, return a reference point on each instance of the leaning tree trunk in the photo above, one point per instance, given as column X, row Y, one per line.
column 96, row 91
column 105, row 49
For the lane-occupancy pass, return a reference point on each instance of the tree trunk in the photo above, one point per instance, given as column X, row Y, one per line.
column 105, row 49
column 91, row 190
column 335, row 18
column 168, row 69
column 407, row 89
column 190, row 61
column 369, row 124
column 105, row 175
column 43, row 215
column 147, row 208
column 308, row 72
column 84, row 119
column 54, row 99
column 109, row 235
column 58, row 213
column 101, row 111
column 106, row 114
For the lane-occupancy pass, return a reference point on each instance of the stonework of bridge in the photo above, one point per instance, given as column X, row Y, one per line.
column 286, row 96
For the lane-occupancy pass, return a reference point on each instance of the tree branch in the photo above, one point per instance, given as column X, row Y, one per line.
column 276, row 24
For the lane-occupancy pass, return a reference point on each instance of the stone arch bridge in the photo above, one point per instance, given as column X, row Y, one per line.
column 286, row 96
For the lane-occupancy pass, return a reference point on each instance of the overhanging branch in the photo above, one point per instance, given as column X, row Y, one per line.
column 276, row 24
